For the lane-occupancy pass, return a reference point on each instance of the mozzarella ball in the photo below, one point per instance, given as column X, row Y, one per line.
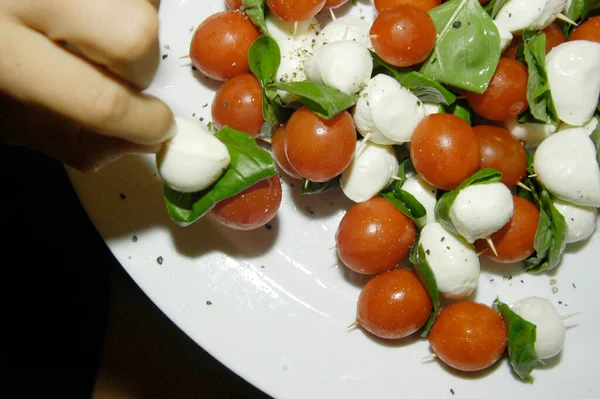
column 566, row 165
column 531, row 134
column 482, row 209
column 520, row 15
column 346, row 66
column 369, row 172
column 348, row 27
column 193, row 159
column 588, row 127
column 574, row 79
column 425, row 193
column 550, row 329
column 452, row 260
column 581, row 220
column 505, row 35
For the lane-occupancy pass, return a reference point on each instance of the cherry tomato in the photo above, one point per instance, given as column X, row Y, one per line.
column 319, row 149
column 444, row 150
column 252, row 208
column 234, row 4
column 424, row 5
column 468, row 336
column 374, row 237
column 511, row 50
column 501, row 151
column 238, row 104
column 394, row 304
column 278, row 149
column 219, row 48
column 403, row 35
column 295, row 10
column 589, row 30
column 554, row 37
column 335, row 3
column 506, row 95
column 514, row 241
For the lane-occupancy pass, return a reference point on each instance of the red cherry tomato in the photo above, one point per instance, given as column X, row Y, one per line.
column 295, row 10
column 219, row 48
column 444, row 150
column 319, row 149
column 394, row 304
column 501, row 151
column 374, row 237
column 252, row 208
column 403, row 35
column 424, row 5
column 278, row 149
column 554, row 37
column 468, row 336
column 514, row 241
column 506, row 95
column 335, row 3
column 238, row 104
column 234, row 4
column 589, row 30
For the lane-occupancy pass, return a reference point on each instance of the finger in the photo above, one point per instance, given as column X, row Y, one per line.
column 36, row 70
column 60, row 139
column 119, row 34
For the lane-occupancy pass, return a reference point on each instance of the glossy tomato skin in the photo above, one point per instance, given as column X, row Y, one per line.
column 506, row 95
column 238, row 104
column 468, row 336
column 319, row 149
column 278, row 149
column 514, row 242
column 234, row 4
column 403, row 35
column 374, row 237
column 444, row 150
column 425, row 5
column 295, row 10
column 252, row 208
column 589, row 30
column 501, row 151
column 219, row 47
column 394, row 304
column 335, row 3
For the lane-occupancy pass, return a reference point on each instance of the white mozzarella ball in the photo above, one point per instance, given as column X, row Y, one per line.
column 425, row 193
column 482, row 209
column 505, row 36
column 452, row 260
column 531, row 134
column 193, row 159
column 346, row 66
column 432, row 108
column 566, row 165
column 550, row 329
column 574, row 79
column 588, row 127
column 369, row 172
column 520, row 15
column 363, row 119
column 581, row 220
column 348, row 27
column 303, row 32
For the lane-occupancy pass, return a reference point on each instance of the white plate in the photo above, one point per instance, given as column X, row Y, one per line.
column 279, row 299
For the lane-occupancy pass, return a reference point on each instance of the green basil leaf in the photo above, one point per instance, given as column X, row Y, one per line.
column 249, row 165
column 579, row 9
column 419, row 261
column 406, row 203
column 255, row 10
column 467, row 49
column 494, row 6
column 539, row 96
column 595, row 136
column 397, row 184
column 425, row 88
column 322, row 100
column 521, row 341
column 311, row 187
column 442, row 207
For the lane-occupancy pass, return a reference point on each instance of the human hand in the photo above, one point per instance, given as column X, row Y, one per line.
column 71, row 75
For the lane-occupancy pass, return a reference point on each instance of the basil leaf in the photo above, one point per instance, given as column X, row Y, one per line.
column 397, row 184
column 494, row 6
column 322, row 100
column 521, row 341
column 249, row 165
column 311, row 187
column 406, row 203
column 419, row 261
column 460, row 109
column 595, row 136
column 264, row 58
column 467, row 49
column 442, row 207
column 579, row 9
column 539, row 96
column 255, row 10
column 425, row 88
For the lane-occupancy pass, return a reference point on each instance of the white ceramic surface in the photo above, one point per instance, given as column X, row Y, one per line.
column 273, row 305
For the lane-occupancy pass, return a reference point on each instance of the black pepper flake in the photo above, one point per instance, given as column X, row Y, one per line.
column 262, row 266
column 452, row 391
column 134, row 238
column 573, row 284
column 194, row 68
column 208, row 303
column 201, row 119
column 268, row 226
column 159, row 260
column 457, row 24
column 428, row 252
column 448, row 248
column 522, row 281
column 492, row 280
column 443, row 239
column 122, row 196
column 224, row 105
column 560, row 302
column 205, row 105
column 164, row 56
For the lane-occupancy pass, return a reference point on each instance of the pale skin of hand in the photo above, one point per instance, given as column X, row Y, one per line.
column 71, row 76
